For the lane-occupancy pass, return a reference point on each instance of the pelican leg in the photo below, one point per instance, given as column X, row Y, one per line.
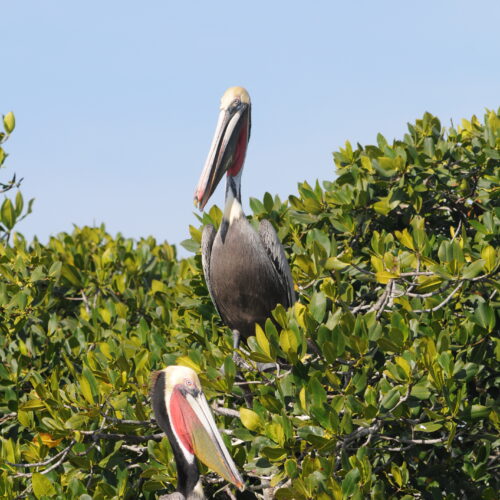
column 238, row 360
column 236, row 339
column 241, row 363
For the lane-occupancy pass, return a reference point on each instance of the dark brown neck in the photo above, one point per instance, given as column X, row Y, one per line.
column 188, row 475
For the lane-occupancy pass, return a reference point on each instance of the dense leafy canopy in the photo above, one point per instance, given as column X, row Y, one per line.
column 387, row 368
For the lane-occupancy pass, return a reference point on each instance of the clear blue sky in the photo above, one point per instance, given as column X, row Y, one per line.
column 116, row 101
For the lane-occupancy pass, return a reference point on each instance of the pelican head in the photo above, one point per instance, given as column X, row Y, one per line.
column 229, row 145
column 182, row 411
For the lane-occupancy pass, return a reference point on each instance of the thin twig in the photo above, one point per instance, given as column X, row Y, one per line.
column 248, row 382
column 417, row 273
column 61, row 456
column 45, row 462
column 379, row 306
column 414, row 441
column 136, row 449
column 226, row 412
column 86, row 302
column 457, row 231
column 123, row 437
column 7, row 416
column 361, row 307
column 428, row 294
column 443, row 303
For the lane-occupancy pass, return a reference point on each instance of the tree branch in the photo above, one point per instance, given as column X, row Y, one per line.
column 59, row 457
column 129, row 438
column 226, row 412
column 443, row 303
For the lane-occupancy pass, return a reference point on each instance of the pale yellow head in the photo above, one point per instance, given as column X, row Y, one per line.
column 180, row 375
column 232, row 94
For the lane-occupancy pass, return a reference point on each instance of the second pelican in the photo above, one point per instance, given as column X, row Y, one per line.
column 182, row 411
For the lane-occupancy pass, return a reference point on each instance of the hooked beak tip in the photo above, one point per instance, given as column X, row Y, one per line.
column 198, row 203
column 198, row 200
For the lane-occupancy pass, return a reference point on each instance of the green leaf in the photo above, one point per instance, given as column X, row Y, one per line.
column 262, row 340
column 268, row 202
column 88, row 386
column 291, row 468
column 350, row 481
column 9, row 122
column 190, row 245
column 428, row 427
column 384, row 277
column 55, row 269
column 484, row 316
column 250, row 419
column 19, row 204
column 71, row 274
column 390, row 399
column 405, row 238
column 472, row 270
column 288, row 341
column 333, row 263
column 316, row 393
column 33, row 404
column 273, row 453
column 7, row 214
column 479, row 411
column 488, row 254
column 158, row 286
column 318, row 306
column 42, row 485
column 76, row 421
column 429, row 284
column 396, row 474
column 257, row 206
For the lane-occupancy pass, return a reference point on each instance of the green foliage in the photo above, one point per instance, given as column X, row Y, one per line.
column 10, row 213
column 387, row 384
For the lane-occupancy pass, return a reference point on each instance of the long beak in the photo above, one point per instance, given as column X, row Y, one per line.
column 204, row 437
column 227, row 145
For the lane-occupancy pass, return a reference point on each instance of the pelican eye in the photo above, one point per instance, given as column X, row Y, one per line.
column 236, row 103
column 188, row 382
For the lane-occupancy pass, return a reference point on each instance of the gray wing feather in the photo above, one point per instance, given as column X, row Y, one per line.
column 207, row 241
column 173, row 496
column 275, row 250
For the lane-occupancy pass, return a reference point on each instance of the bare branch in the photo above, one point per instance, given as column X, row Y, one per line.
column 483, row 277
column 7, row 416
column 417, row 273
column 123, row 437
column 428, row 294
column 59, row 457
column 414, row 441
column 45, row 462
column 226, row 412
column 361, row 307
column 379, row 306
column 443, row 303
column 136, row 449
column 457, row 231
column 249, row 382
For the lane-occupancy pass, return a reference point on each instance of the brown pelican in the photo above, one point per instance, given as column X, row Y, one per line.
column 246, row 271
column 181, row 410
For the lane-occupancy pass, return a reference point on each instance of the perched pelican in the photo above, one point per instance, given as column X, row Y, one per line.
column 246, row 271
column 181, row 410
